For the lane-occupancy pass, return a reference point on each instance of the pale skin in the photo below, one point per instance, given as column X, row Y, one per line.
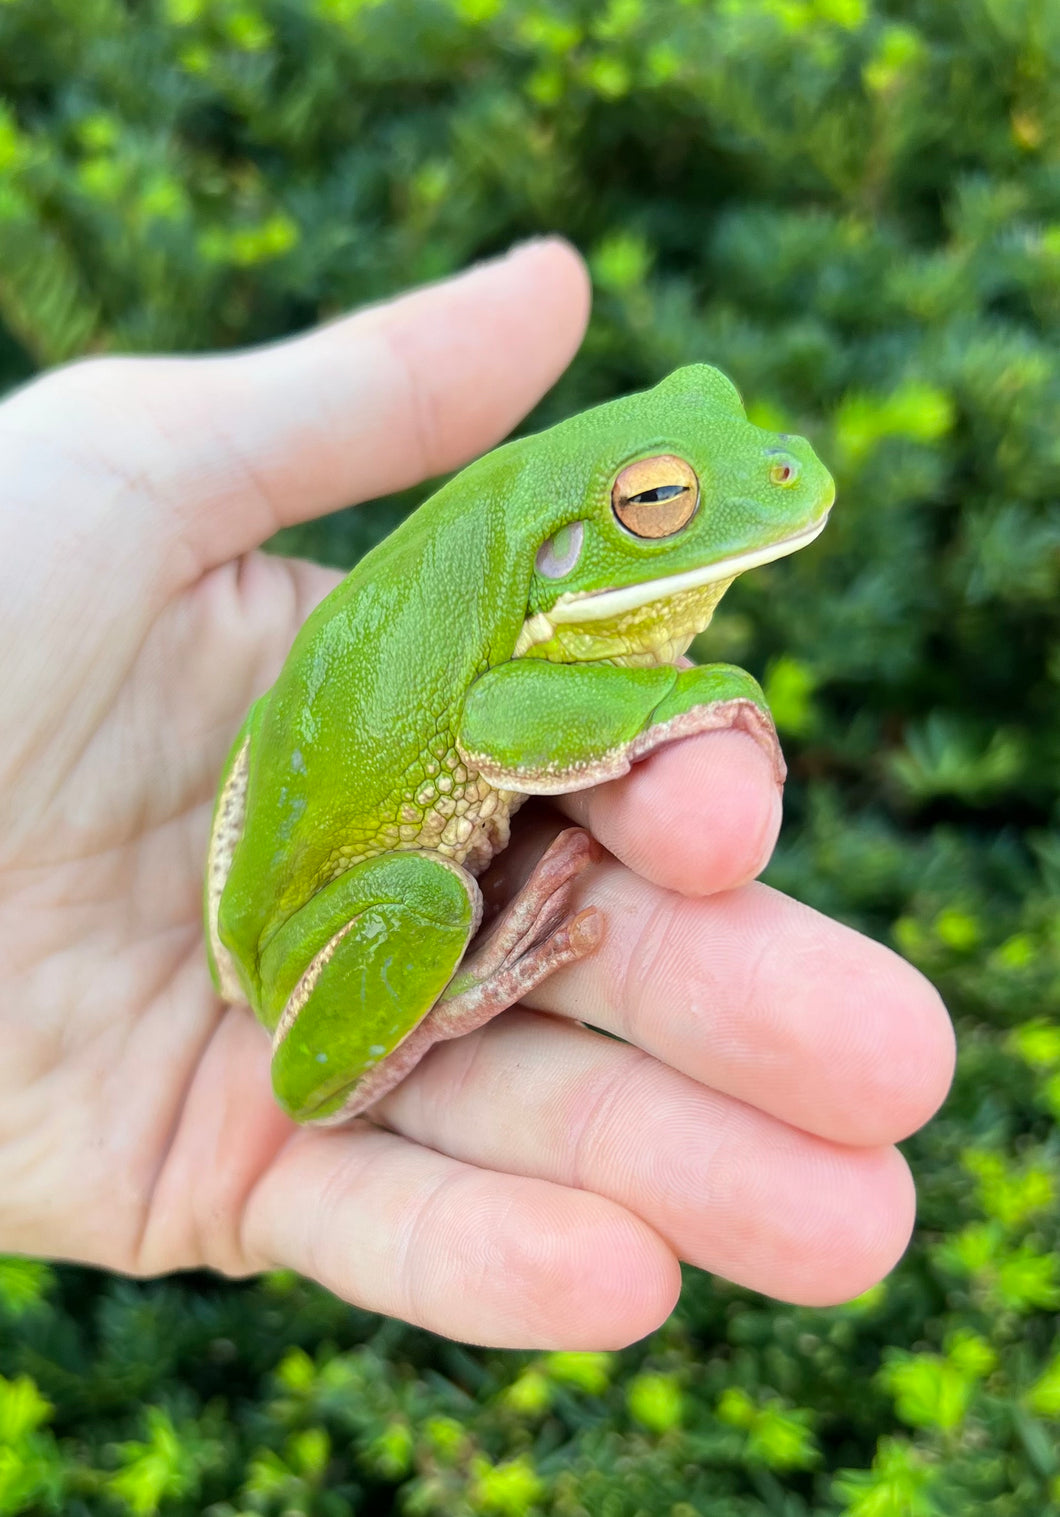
column 531, row 1184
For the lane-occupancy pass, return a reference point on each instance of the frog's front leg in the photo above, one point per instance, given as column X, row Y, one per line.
column 353, row 984
column 548, row 728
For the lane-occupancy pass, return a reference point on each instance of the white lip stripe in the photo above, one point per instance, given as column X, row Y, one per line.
column 604, row 604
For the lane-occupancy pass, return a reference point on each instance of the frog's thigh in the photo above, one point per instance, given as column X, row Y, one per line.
column 352, row 973
column 545, row 728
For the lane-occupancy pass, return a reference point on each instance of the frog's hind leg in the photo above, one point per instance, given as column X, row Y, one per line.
column 347, row 978
column 535, row 935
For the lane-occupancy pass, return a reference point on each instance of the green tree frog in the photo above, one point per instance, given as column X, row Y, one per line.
column 520, row 634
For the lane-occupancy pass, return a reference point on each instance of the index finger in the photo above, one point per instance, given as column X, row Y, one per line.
column 698, row 816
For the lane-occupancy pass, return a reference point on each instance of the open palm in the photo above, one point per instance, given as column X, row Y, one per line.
column 532, row 1183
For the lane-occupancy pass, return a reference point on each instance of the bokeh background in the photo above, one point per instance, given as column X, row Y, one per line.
column 853, row 207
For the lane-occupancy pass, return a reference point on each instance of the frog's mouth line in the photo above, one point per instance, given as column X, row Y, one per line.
column 603, row 605
column 579, row 607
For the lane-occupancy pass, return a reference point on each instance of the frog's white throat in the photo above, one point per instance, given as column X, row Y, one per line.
column 579, row 607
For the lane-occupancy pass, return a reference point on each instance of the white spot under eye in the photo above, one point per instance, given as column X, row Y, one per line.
column 559, row 553
column 322, row 1058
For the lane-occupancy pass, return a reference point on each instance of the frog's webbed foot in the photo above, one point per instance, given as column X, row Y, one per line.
column 536, row 934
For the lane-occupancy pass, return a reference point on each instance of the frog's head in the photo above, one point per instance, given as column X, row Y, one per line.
column 646, row 509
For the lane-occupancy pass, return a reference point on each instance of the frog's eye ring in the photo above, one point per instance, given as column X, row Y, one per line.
column 784, row 470
column 559, row 553
column 655, row 497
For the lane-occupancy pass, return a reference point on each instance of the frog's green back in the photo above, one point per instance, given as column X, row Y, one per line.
column 367, row 700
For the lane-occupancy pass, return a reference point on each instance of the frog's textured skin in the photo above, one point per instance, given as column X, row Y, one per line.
column 512, row 637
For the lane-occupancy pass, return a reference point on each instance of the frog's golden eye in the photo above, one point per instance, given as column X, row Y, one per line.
column 655, row 497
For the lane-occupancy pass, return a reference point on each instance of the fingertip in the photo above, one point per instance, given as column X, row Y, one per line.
column 831, row 1031
column 906, row 1071
column 862, row 1013
column 486, row 1257
column 562, row 269
column 620, row 1282
column 869, row 1223
column 699, row 816
column 809, row 1221
column 939, row 1064
column 552, row 1268
column 533, row 304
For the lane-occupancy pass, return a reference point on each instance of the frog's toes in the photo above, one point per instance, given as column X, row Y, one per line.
column 737, row 715
column 535, row 935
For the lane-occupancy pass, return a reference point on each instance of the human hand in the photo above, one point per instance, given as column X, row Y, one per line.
column 532, row 1183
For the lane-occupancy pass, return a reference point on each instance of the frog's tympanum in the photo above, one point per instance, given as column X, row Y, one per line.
column 520, row 634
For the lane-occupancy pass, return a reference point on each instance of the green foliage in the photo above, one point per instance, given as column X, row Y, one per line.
column 853, row 207
column 24, row 1284
column 164, row 1466
column 779, row 1437
column 655, row 1401
column 898, row 1485
column 31, row 1472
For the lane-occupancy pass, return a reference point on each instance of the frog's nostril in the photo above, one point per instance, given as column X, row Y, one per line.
column 784, row 470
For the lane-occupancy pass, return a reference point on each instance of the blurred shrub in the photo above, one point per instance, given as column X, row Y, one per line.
column 854, row 209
